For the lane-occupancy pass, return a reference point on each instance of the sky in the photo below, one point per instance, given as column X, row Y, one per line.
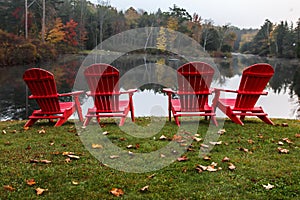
column 240, row 13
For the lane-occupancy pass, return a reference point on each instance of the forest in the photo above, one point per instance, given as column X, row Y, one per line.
column 39, row 30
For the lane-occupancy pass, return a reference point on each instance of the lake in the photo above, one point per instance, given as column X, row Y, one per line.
column 281, row 102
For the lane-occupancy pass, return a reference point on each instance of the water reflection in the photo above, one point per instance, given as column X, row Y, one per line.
column 284, row 87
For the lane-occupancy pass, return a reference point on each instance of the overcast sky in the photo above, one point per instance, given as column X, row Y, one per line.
column 240, row 13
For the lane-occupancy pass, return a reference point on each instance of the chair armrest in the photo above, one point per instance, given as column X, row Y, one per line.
column 130, row 91
column 76, row 93
column 168, row 91
column 218, row 90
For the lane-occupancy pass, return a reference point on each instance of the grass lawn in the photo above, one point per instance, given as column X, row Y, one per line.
column 41, row 157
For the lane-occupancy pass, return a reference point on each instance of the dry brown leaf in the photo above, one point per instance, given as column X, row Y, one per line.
column 268, row 187
column 197, row 139
column 231, row 166
column 287, row 140
column 284, row 124
column 204, row 146
column 297, row 135
column 113, row 156
column 42, row 131
column 145, row 188
column 206, row 158
column 162, row 155
column 215, row 143
column 97, row 146
column 129, row 146
column 66, row 153
column 250, row 141
column 33, row 161
column 68, row 160
column 282, row 150
column 151, row 176
column 3, row 132
column 116, row 192
column 73, row 157
column 9, row 188
column 40, row 191
column 75, row 183
column 182, row 158
column 51, row 143
column 46, row 161
column 225, row 159
column 177, row 138
column 211, row 169
column 280, row 143
column 137, row 145
column 30, row 182
column 221, row 131
column 163, row 137
column 26, row 128
column 105, row 133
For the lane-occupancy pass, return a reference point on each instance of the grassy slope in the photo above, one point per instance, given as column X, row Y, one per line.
column 262, row 164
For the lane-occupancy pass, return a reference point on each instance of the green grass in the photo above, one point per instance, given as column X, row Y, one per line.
column 262, row 164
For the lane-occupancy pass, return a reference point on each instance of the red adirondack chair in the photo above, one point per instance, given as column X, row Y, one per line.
column 42, row 85
column 194, row 80
column 103, row 82
column 253, row 82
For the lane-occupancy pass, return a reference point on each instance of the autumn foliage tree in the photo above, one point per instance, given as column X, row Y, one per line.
column 70, row 33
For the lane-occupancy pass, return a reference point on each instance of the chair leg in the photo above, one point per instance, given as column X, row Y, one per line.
column 60, row 121
column 233, row 117
column 122, row 121
column 30, row 122
column 214, row 120
column 87, row 121
column 177, row 120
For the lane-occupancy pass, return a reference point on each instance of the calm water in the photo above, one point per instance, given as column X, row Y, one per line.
column 281, row 102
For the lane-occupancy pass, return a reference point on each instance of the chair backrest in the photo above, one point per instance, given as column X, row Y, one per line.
column 103, row 82
column 42, row 86
column 194, row 80
column 253, row 82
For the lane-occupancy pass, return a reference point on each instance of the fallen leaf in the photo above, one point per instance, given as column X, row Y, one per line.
column 113, row 156
column 282, row 150
column 250, row 141
column 45, row 161
column 129, row 146
column 280, row 143
column 9, row 188
column 40, row 191
column 287, row 140
column 177, row 138
column 42, row 131
column 130, row 153
column 297, row 135
column 221, row 131
column 105, row 133
column 26, row 128
column 51, row 143
column 66, row 153
column 4, row 132
column 211, row 169
column 182, row 158
column 28, row 147
column 75, row 183
column 215, row 143
column 68, row 160
column 162, row 155
column 268, row 187
column 30, row 182
column 162, row 137
column 260, row 136
column 225, row 159
column 7, row 143
column 204, row 145
column 117, row 192
column 231, row 166
column 145, row 188
column 151, row 176
column 284, row 125
column 97, row 146
column 122, row 139
column 73, row 157
column 14, row 131
column 243, row 149
column 137, row 146
column 197, row 139
column 33, row 161
column 206, row 158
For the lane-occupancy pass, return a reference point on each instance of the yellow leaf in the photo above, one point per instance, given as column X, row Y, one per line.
column 145, row 188
column 9, row 188
column 97, row 146
column 40, row 191
column 30, row 182
column 117, row 192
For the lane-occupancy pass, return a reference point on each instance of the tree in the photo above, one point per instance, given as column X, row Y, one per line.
column 56, row 34
column 70, row 33
column 161, row 43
